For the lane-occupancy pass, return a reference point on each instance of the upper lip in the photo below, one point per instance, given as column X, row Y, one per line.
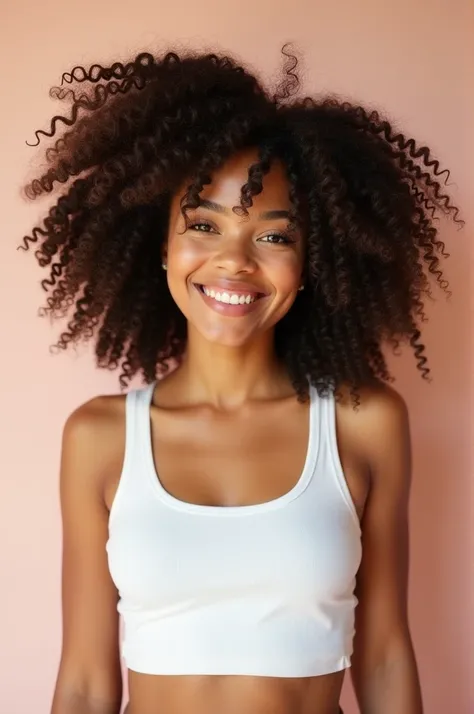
column 235, row 286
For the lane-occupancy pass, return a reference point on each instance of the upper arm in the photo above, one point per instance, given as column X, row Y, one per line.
column 382, row 631
column 90, row 661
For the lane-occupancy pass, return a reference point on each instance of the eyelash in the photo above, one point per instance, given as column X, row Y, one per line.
column 286, row 239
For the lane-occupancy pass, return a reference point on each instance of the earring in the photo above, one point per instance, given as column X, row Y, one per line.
column 164, row 266
column 301, row 287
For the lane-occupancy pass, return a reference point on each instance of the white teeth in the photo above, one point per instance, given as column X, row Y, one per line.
column 229, row 298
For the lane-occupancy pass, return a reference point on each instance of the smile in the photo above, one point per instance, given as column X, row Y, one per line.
column 228, row 302
column 230, row 298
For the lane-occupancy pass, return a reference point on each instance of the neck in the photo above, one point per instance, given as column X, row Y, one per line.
column 228, row 377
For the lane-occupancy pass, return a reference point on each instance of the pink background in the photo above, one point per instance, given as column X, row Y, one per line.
column 409, row 58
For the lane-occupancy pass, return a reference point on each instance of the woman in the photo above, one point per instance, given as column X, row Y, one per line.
column 246, row 510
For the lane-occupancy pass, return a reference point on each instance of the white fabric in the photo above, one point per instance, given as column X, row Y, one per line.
column 265, row 589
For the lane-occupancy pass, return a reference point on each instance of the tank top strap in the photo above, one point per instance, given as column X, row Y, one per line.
column 330, row 449
column 328, row 424
column 132, row 478
column 140, row 411
column 137, row 429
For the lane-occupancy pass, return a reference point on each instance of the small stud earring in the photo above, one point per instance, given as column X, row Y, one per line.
column 164, row 266
column 301, row 287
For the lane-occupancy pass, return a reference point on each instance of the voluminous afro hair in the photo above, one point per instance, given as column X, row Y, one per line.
column 366, row 195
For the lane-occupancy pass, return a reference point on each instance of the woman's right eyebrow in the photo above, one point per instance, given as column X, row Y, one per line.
column 265, row 216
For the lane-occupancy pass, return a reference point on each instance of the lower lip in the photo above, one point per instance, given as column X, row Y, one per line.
column 224, row 308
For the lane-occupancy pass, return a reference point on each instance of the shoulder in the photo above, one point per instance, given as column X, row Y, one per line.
column 380, row 405
column 380, row 425
column 92, row 418
column 93, row 439
column 375, row 399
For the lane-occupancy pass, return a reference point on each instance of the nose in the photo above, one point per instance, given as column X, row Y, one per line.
column 235, row 256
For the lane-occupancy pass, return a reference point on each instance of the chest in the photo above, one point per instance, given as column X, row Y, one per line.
column 290, row 525
column 248, row 459
column 172, row 556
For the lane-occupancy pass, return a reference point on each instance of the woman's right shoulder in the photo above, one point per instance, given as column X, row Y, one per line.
column 99, row 414
column 93, row 440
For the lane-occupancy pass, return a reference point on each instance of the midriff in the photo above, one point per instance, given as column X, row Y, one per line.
column 165, row 694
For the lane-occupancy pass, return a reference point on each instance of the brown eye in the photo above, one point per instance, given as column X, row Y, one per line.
column 276, row 239
column 201, row 226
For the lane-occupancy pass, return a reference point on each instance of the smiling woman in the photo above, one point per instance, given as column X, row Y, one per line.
column 250, row 253
column 249, row 266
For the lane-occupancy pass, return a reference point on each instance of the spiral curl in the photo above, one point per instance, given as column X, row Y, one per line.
column 138, row 130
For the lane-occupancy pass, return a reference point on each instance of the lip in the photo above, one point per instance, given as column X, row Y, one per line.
column 235, row 286
column 227, row 309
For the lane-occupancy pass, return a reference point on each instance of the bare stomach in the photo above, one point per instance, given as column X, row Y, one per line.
column 152, row 694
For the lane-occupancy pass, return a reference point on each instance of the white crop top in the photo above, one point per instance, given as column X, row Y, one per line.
column 263, row 590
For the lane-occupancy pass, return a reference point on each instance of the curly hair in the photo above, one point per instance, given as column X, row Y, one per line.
column 156, row 123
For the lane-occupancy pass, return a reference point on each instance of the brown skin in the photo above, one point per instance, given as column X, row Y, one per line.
column 232, row 400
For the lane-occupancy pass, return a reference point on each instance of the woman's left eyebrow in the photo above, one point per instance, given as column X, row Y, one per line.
column 265, row 216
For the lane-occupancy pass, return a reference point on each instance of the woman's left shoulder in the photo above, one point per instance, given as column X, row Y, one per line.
column 380, row 425
column 376, row 400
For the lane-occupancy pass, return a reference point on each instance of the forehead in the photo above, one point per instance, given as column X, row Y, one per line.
column 227, row 182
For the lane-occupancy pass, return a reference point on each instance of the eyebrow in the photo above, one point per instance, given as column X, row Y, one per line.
column 265, row 216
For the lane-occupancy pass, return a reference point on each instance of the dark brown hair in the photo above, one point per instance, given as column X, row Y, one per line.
column 366, row 193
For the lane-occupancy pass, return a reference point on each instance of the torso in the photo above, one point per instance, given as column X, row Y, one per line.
column 238, row 459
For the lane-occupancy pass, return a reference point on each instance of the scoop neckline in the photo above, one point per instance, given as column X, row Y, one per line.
column 201, row 509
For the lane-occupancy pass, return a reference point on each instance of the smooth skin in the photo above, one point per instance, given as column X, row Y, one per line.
column 227, row 430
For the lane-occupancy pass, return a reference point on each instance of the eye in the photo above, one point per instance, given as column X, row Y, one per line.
column 276, row 239
column 201, row 226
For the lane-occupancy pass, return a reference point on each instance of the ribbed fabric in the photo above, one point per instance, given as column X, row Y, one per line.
column 263, row 590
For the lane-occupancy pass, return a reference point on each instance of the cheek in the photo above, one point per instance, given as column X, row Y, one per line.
column 185, row 255
column 184, row 258
column 284, row 271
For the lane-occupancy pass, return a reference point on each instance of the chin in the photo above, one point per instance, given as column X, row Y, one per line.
column 227, row 338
